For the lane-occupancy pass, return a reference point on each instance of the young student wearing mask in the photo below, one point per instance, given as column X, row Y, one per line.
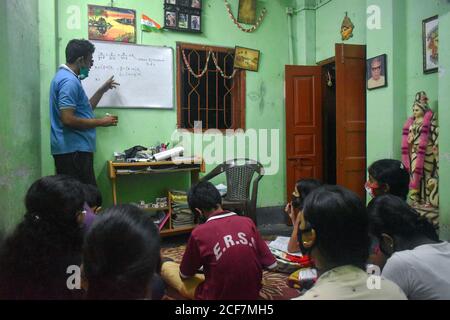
column 334, row 232
column 388, row 176
column 227, row 246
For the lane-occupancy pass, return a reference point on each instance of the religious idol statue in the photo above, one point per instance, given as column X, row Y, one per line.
column 420, row 153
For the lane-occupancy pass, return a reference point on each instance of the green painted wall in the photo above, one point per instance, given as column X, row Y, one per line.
column 265, row 89
column 380, row 41
column 398, row 74
column 444, row 118
column 304, row 32
column 386, row 103
column 329, row 19
column 48, row 64
column 19, row 122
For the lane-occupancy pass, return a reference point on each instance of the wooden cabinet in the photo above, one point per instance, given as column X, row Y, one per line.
column 117, row 169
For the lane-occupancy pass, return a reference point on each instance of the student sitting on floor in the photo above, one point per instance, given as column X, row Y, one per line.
column 121, row 255
column 34, row 259
column 418, row 262
column 386, row 176
column 227, row 246
column 301, row 191
column 334, row 230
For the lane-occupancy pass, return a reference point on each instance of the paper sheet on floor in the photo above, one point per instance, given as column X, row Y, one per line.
column 281, row 243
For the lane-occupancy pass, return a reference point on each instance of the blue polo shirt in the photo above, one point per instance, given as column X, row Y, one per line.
column 66, row 92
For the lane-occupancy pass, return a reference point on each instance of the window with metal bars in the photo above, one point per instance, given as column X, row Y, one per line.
column 209, row 89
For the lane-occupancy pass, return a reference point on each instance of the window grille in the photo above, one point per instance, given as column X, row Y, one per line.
column 210, row 90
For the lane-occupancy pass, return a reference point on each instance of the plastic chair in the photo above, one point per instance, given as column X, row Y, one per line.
column 239, row 174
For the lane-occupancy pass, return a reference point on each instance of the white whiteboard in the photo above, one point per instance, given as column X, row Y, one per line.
column 145, row 74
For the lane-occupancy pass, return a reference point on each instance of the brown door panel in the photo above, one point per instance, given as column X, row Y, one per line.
column 303, row 124
column 303, row 170
column 351, row 117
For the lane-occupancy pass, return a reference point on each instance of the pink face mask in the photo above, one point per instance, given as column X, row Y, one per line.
column 371, row 188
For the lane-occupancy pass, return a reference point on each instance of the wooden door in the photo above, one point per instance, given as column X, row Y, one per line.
column 303, row 125
column 351, row 117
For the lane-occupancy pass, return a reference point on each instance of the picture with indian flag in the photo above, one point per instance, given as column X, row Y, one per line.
column 149, row 25
column 112, row 24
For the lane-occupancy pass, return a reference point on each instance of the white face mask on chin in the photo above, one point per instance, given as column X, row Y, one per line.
column 370, row 191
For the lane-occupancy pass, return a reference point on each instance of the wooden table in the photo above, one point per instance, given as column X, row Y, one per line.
column 123, row 169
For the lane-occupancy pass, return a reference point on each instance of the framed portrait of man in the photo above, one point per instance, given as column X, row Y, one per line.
column 377, row 72
column 430, row 40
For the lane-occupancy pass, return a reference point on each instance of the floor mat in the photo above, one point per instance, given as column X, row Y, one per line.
column 274, row 284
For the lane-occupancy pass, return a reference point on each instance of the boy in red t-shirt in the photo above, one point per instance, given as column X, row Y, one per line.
column 227, row 246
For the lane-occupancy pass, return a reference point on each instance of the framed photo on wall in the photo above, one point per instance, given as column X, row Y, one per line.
column 111, row 24
column 171, row 19
column 247, row 59
column 195, row 22
column 183, row 15
column 377, row 72
column 183, row 3
column 196, row 4
column 430, row 42
column 247, row 11
column 183, row 21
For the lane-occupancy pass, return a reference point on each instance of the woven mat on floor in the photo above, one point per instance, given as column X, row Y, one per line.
column 275, row 284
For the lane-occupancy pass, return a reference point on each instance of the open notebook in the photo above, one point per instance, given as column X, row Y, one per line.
column 281, row 244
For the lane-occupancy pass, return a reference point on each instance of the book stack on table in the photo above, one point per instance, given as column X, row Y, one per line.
column 182, row 216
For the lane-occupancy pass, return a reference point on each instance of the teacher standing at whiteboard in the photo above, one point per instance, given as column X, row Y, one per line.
column 73, row 124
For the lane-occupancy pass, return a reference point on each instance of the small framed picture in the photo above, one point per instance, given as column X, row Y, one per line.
column 377, row 72
column 101, row 25
column 247, row 59
column 195, row 23
column 171, row 19
column 183, row 15
column 183, row 3
column 430, row 42
column 196, row 4
column 183, row 20
column 247, row 11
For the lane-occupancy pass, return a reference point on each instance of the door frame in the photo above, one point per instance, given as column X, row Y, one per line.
column 321, row 64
